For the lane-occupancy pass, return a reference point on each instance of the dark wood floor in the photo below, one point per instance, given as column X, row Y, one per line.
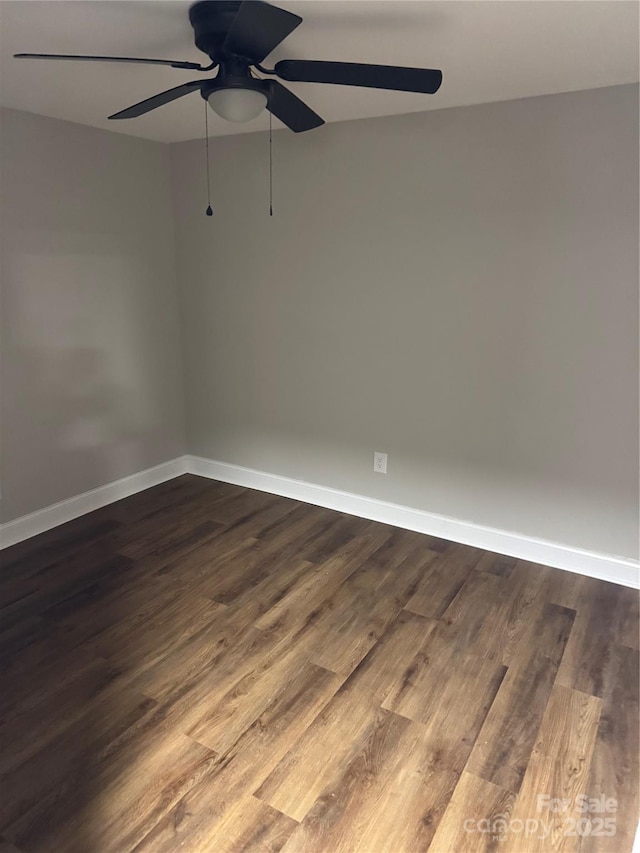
column 202, row 667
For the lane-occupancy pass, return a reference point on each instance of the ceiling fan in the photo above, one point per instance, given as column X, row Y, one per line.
column 237, row 35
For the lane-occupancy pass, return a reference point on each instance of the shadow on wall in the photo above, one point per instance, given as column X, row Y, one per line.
column 88, row 384
column 70, row 425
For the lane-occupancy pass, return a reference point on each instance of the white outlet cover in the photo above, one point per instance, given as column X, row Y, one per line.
column 380, row 462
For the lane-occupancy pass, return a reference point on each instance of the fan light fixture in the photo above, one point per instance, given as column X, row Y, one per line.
column 237, row 104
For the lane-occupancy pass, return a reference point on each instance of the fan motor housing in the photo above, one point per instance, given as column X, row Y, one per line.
column 211, row 21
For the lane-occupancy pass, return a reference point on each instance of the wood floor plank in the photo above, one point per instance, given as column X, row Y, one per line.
column 563, row 588
column 338, row 816
column 214, row 558
column 135, row 642
column 306, row 523
column 360, row 611
column 429, row 691
column 409, row 811
column 133, row 797
column 248, row 825
column 250, row 687
column 115, row 603
column 48, row 661
column 303, row 604
column 268, row 591
column 186, row 532
column 390, row 797
column 222, row 699
column 31, row 728
column 338, row 534
column 206, row 648
column 318, row 756
column 351, row 619
column 246, row 504
column 217, row 660
column 496, row 564
column 558, row 769
column 207, row 652
column 568, row 729
column 273, row 516
column 502, row 750
column 470, row 613
column 602, row 617
column 400, row 547
column 615, row 770
column 154, row 501
column 245, row 568
column 432, row 671
column 6, row 847
column 59, row 767
column 70, row 582
column 34, row 557
column 628, row 618
column 274, row 525
column 473, row 817
column 28, row 632
column 195, row 821
column 79, row 566
column 443, row 580
column 162, row 524
column 252, row 825
column 249, row 691
column 513, row 617
column 317, row 760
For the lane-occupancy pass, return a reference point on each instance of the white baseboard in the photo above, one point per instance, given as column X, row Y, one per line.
column 602, row 566
column 606, row 567
column 59, row 513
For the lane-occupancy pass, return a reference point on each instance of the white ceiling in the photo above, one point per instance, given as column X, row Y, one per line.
column 488, row 50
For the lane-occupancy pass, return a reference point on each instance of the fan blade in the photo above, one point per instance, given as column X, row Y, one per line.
column 291, row 111
column 423, row 80
column 257, row 29
column 159, row 100
column 173, row 63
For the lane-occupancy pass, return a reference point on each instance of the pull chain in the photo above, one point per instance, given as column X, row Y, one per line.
column 270, row 167
column 209, row 210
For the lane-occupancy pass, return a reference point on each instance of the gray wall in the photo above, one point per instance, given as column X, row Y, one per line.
column 456, row 288
column 91, row 370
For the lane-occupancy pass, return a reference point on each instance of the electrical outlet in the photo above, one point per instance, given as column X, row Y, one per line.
column 380, row 462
